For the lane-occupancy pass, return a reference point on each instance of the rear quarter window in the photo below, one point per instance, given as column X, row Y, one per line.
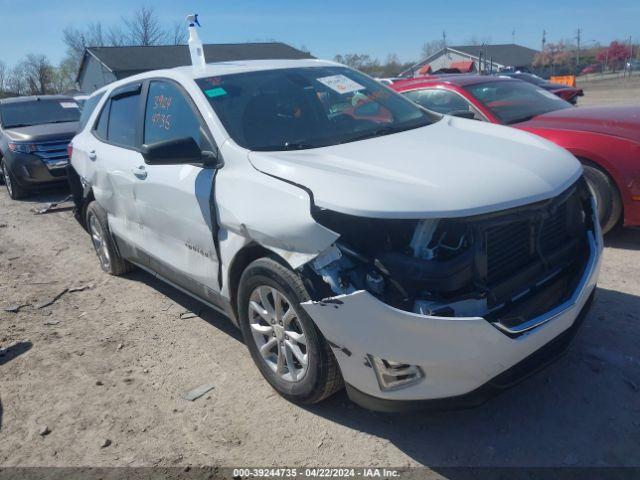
column 87, row 109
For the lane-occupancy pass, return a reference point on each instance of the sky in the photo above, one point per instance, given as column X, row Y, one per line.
column 329, row 27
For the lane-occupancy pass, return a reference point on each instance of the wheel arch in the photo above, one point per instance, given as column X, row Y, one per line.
column 241, row 260
column 597, row 165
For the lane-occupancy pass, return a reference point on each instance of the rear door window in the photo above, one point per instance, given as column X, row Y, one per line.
column 123, row 114
column 170, row 115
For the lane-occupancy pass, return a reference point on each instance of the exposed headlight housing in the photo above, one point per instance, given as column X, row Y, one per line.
column 395, row 375
column 22, row 147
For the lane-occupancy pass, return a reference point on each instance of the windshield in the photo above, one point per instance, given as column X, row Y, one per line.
column 528, row 77
column 298, row 108
column 513, row 102
column 37, row 112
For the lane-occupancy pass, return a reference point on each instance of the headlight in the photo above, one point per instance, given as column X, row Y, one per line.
column 22, row 147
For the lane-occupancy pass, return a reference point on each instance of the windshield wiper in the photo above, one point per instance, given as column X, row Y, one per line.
column 18, row 125
column 382, row 131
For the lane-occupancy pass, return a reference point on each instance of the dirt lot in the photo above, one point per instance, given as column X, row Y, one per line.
column 620, row 91
column 104, row 370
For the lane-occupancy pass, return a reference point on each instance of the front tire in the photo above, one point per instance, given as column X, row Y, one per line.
column 98, row 227
column 16, row 192
column 607, row 197
column 284, row 343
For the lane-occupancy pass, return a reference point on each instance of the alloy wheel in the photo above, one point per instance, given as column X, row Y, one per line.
column 278, row 333
column 99, row 242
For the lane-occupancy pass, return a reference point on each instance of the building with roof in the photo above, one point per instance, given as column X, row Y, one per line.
column 103, row 65
column 475, row 58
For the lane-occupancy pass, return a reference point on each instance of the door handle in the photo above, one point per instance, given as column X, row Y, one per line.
column 140, row 172
column 92, row 155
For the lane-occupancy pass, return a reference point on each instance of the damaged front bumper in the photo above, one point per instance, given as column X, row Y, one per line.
column 462, row 360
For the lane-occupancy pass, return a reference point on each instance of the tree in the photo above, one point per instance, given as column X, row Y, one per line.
column 554, row 55
column 431, row 47
column 16, row 83
column 178, row 34
column 65, row 75
column 372, row 66
column 614, row 56
column 4, row 76
column 144, row 28
column 37, row 74
column 474, row 40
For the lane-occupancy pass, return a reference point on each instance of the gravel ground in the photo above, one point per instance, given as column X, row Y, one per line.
column 96, row 377
column 620, row 91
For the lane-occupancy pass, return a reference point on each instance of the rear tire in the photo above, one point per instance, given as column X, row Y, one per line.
column 16, row 192
column 284, row 343
column 607, row 197
column 98, row 227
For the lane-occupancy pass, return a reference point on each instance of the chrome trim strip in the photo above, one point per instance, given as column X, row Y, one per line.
column 562, row 308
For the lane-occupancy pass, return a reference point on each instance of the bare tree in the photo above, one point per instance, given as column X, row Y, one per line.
column 178, row 34
column 116, row 37
column 144, row 28
column 38, row 74
column 475, row 40
column 429, row 48
column 372, row 66
column 65, row 75
column 4, row 74
column 76, row 40
column 16, row 83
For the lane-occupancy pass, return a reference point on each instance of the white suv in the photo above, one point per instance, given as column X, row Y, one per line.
column 352, row 236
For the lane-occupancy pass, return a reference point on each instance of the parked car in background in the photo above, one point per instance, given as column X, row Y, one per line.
column 633, row 65
column 80, row 99
column 593, row 68
column 351, row 235
column 34, row 135
column 388, row 81
column 570, row 94
column 605, row 139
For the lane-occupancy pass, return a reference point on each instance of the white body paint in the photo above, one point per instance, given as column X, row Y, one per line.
column 452, row 168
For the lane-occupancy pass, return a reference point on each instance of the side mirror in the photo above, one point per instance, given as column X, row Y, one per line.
column 463, row 114
column 176, row 152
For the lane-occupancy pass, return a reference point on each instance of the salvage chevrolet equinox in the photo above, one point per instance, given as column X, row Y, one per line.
column 355, row 238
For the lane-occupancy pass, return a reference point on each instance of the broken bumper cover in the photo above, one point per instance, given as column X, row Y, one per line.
column 464, row 360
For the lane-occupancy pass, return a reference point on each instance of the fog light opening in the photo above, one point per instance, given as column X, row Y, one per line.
column 395, row 375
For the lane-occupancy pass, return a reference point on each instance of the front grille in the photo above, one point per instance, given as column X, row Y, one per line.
column 554, row 229
column 531, row 234
column 508, row 249
column 53, row 154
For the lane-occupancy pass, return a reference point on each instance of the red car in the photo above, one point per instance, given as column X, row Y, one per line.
column 605, row 139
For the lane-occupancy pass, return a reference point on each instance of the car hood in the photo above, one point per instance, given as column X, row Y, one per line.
column 453, row 168
column 43, row 133
column 618, row 121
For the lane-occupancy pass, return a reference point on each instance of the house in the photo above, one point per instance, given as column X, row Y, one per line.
column 475, row 58
column 103, row 65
